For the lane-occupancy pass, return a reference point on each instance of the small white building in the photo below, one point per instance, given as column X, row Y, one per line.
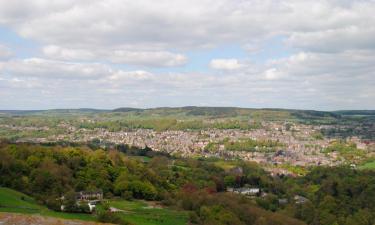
column 92, row 205
column 244, row 191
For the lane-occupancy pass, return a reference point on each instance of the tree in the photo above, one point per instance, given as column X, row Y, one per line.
column 230, row 181
column 143, row 190
column 70, row 202
column 261, row 221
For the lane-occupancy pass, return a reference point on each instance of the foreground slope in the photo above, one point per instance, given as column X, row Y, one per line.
column 15, row 218
column 16, row 202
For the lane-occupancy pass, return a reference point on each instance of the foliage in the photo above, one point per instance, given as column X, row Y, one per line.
column 141, row 213
column 246, row 144
column 251, row 145
column 347, row 150
column 370, row 165
column 338, row 195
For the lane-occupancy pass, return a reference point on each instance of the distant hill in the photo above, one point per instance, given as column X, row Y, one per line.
column 207, row 112
column 52, row 111
column 80, row 110
column 21, row 112
column 356, row 112
column 127, row 109
column 232, row 112
column 312, row 114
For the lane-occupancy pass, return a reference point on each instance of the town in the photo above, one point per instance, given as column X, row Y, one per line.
column 299, row 145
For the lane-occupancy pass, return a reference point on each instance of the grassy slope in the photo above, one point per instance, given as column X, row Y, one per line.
column 368, row 166
column 13, row 201
column 140, row 213
column 137, row 212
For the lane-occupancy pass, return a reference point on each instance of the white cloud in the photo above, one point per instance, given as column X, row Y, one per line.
column 57, row 52
column 345, row 65
column 330, row 64
column 148, row 58
column 226, row 64
column 163, row 24
column 179, row 24
column 142, row 58
column 51, row 69
column 5, row 53
column 304, row 80
column 335, row 40
column 272, row 74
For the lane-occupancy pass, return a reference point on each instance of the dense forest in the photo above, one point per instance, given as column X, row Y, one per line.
column 326, row 196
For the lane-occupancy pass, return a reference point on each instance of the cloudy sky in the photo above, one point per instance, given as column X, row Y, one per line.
column 247, row 53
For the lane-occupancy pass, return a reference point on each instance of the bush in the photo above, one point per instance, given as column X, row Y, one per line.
column 127, row 195
column 84, row 208
column 53, row 204
column 108, row 217
column 142, row 190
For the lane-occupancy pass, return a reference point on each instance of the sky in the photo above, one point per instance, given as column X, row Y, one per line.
column 312, row 54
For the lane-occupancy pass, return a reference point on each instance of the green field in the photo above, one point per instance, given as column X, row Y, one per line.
column 136, row 212
column 13, row 201
column 368, row 166
column 140, row 213
column 226, row 165
column 140, row 158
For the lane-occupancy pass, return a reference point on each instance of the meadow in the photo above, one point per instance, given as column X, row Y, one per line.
column 144, row 213
column 368, row 166
column 15, row 202
column 135, row 212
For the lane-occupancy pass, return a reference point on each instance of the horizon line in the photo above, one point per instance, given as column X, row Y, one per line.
column 175, row 107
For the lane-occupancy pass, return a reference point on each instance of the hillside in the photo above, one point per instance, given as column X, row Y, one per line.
column 15, row 218
column 206, row 112
column 16, row 202
column 171, row 190
column 160, row 192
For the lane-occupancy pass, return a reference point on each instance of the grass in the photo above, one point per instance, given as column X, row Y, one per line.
column 140, row 213
column 299, row 170
column 140, row 158
column 16, row 202
column 368, row 166
column 226, row 165
column 136, row 212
